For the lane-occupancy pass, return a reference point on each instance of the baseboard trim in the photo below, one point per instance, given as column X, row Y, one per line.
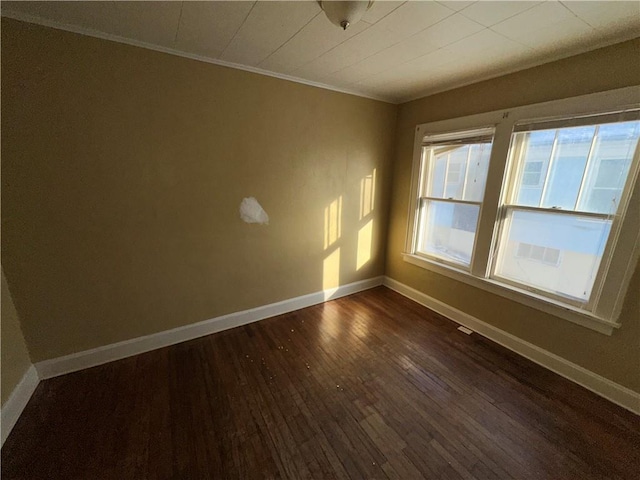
column 13, row 407
column 116, row 351
column 604, row 387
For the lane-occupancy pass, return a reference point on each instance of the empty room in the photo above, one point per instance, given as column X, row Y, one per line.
column 320, row 240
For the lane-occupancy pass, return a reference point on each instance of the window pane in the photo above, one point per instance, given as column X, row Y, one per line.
column 447, row 230
column 477, row 172
column 607, row 172
column 554, row 252
column 567, row 167
column 435, row 185
column 536, row 152
column 457, row 172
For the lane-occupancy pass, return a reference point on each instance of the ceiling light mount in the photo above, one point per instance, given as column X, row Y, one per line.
column 345, row 14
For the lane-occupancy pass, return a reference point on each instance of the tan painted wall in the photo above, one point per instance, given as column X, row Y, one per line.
column 616, row 357
column 123, row 170
column 14, row 359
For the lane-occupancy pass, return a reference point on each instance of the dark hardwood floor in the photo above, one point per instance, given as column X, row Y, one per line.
column 368, row 386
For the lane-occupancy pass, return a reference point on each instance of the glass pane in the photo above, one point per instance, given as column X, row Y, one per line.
column 536, row 152
column 477, row 172
column 557, row 253
column 567, row 167
column 607, row 172
column 447, row 230
column 435, row 186
column 457, row 172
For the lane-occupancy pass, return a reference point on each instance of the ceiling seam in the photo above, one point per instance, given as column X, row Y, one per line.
column 175, row 39
column 510, row 39
column 350, row 38
column 407, row 38
column 236, row 32
column 440, row 48
column 523, row 67
column 461, row 12
column 524, row 44
column 576, row 15
column 290, row 38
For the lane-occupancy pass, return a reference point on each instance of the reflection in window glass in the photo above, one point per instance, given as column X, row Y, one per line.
column 448, row 230
column 532, row 174
column 567, row 167
column 457, row 163
column 537, row 148
column 477, row 172
column 577, row 168
column 554, row 252
column 607, row 173
column 458, row 172
column 438, row 175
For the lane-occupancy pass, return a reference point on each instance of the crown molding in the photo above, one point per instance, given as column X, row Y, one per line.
column 23, row 17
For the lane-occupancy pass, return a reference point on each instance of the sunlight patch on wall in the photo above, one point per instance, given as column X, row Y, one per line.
column 367, row 194
column 331, row 270
column 332, row 220
column 365, row 239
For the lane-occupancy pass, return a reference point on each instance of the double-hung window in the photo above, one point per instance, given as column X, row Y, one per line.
column 561, row 200
column 538, row 207
column 454, row 172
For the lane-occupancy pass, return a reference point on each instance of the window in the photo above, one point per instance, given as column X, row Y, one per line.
column 583, row 170
column 454, row 175
column 536, row 208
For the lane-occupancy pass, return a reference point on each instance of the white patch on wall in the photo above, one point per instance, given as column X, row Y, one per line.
column 252, row 212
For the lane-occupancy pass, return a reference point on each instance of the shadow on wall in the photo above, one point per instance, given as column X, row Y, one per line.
column 333, row 217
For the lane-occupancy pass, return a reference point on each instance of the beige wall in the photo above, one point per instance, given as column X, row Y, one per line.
column 14, row 359
column 616, row 357
column 123, row 170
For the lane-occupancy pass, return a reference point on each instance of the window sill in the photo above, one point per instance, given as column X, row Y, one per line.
column 558, row 309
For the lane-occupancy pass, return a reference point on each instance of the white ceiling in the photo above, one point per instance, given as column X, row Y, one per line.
column 398, row 51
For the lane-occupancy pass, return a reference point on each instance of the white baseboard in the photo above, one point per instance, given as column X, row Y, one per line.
column 612, row 391
column 13, row 407
column 116, row 351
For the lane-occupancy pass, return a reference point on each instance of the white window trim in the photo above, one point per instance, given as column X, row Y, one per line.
column 623, row 259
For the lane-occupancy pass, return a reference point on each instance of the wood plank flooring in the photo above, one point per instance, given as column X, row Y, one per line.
column 368, row 386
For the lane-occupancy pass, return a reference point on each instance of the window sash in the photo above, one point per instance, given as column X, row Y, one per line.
column 450, row 200
column 429, row 148
column 464, row 137
column 513, row 170
column 427, row 170
column 518, row 181
column 502, row 231
column 557, row 210
column 624, row 115
column 421, row 231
